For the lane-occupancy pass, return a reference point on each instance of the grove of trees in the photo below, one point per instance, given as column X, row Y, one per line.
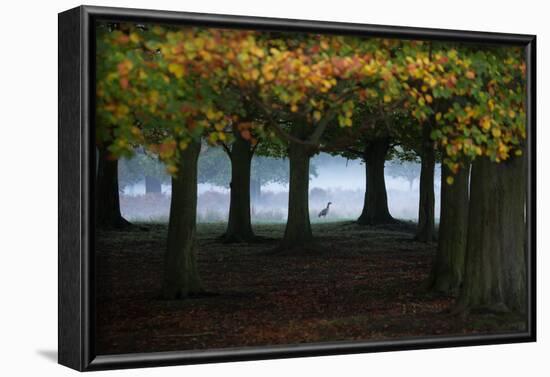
column 171, row 91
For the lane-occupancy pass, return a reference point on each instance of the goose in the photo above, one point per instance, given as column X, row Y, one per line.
column 324, row 212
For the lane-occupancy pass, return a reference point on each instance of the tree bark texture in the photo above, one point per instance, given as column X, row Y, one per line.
column 298, row 227
column 495, row 262
column 426, row 223
column 448, row 268
column 239, row 226
column 375, row 206
column 181, row 276
column 107, row 203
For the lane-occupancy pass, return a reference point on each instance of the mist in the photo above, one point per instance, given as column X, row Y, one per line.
column 333, row 179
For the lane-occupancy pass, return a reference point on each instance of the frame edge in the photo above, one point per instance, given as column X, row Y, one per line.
column 70, row 277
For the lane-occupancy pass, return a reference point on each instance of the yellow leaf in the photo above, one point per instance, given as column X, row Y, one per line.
column 257, row 51
column 450, row 180
column 136, row 131
column 176, row 69
column 171, row 169
column 496, row 132
column 485, row 123
column 317, row 115
column 438, row 116
column 387, row 98
column 134, row 37
column 212, row 138
column 211, row 114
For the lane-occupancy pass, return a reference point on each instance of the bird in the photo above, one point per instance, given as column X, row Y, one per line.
column 324, row 212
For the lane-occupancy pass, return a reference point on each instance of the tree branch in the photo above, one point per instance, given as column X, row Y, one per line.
column 253, row 149
column 226, row 149
column 274, row 124
column 329, row 117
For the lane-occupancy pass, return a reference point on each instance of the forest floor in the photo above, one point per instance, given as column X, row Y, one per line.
column 365, row 285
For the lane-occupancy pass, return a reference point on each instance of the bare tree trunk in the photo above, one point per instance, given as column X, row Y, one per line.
column 107, row 203
column 375, row 207
column 181, row 276
column 298, row 232
column 495, row 264
column 448, row 268
column 239, row 226
column 426, row 224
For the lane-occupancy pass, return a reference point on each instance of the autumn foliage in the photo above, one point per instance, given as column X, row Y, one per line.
column 161, row 87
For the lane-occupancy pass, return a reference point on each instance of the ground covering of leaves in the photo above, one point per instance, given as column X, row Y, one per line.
column 366, row 283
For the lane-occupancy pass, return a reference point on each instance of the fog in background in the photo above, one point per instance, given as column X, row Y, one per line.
column 338, row 180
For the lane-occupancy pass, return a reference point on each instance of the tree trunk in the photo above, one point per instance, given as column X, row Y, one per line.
column 298, row 227
column 107, row 204
column 239, row 226
column 375, row 207
column 425, row 230
column 181, row 277
column 448, row 268
column 152, row 185
column 495, row 264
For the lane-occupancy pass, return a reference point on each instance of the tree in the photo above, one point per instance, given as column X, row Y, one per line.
column 181, row 276
column 426, row 207
column 480, row 118
column 495, row 257
column 472, row 100
column 269, row 165
column 107, row 203
column 147, row 100
column 409, row 170
column 314, row 88
column 267, row 170
column 448, row 267
column 239, row 224
column 370, row 142
column 142, row 166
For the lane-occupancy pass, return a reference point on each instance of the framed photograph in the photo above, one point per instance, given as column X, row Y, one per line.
column 239, row 188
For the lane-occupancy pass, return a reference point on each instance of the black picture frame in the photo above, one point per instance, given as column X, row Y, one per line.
column 76, row 188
